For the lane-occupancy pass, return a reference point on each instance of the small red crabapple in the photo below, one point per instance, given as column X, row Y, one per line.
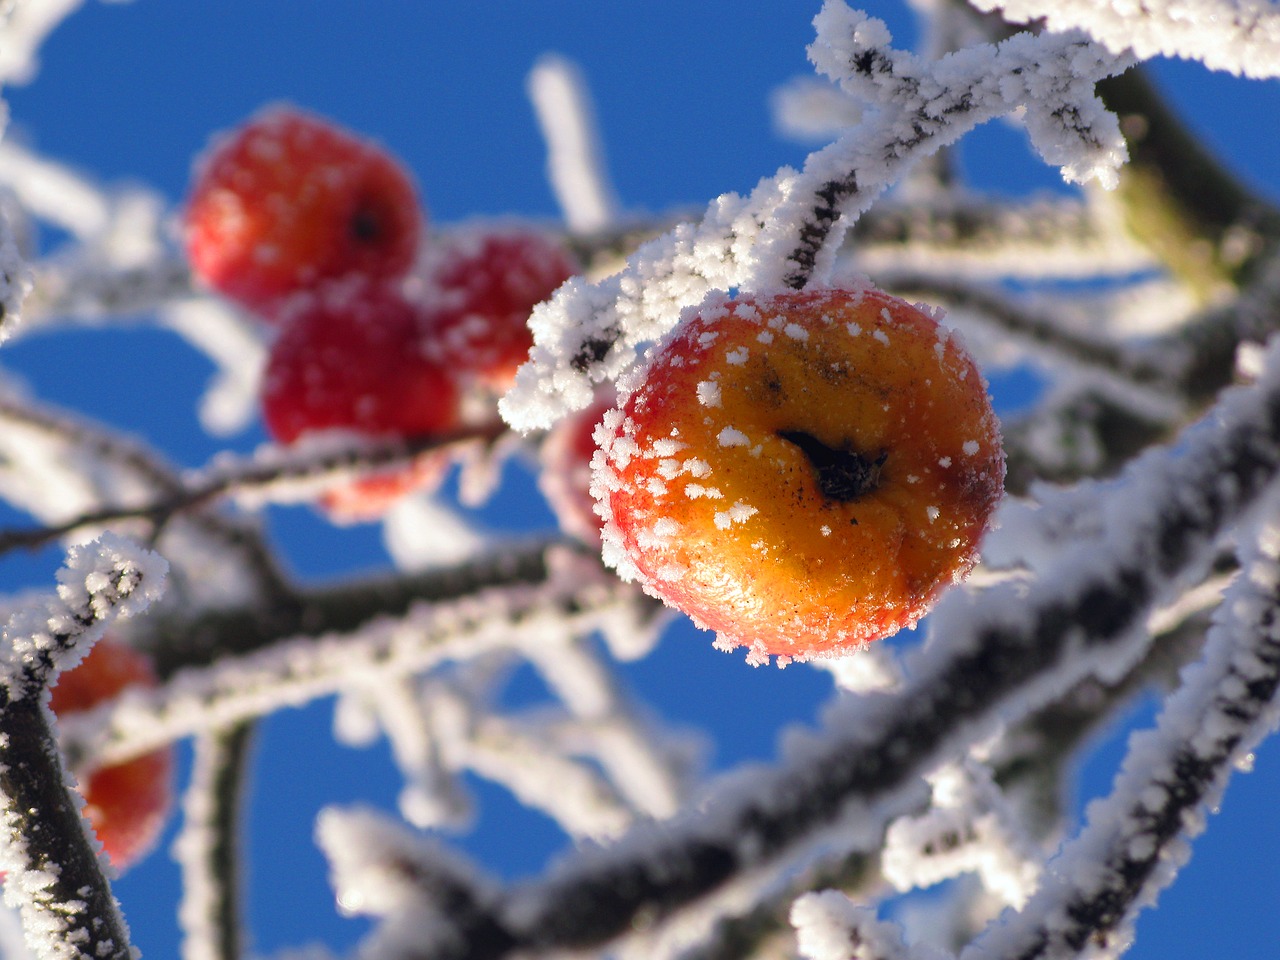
column 801, row 472
column 486, row 282
column 368, row 498
column 290, row 200
column 354, row 357
column 127, row 803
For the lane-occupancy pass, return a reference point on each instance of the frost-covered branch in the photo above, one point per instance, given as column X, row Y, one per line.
column 1135, row 839
column 52, row 192
column 764, row 926
column 1239, row 36
column 70, row 288
column 923, row 107
column 1125, row 374
column 575, row 161
column 221, row 670
column 102, row 580
column 55, row 465
column 978, row 237
column 52, row 870
column 1079, row 430
column 830, row 926
column 790, row 227
column 24, row 27
column 207, row 850
column 970, row 827
column 419, row 889
column 277, row 475
column 1203, row 223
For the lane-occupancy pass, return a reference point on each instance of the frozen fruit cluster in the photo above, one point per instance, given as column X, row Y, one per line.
column 801, row 472
column 127, row 803
column 380, row 330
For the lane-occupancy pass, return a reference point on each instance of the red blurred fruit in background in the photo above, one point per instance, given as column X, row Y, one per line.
column 290, row 200
column 353, row 356
column 484, row 284
column 127, row 803
column 565, row 478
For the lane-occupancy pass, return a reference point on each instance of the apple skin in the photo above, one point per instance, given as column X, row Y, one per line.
column 802, row 472
column 290, row 200
column 484, row 282
column 355, row 356
column 127, row 803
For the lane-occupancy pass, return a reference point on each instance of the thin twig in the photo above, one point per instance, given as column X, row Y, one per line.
column 208, row 848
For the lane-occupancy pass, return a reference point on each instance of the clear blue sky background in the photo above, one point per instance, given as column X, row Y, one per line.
column 133, row 91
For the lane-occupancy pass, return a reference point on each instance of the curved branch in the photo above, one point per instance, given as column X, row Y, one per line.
column 52, row 867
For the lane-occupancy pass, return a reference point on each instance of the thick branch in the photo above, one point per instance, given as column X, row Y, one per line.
column 382, row 631
column 50, row 857
column 1195, row 216
column 52, row 868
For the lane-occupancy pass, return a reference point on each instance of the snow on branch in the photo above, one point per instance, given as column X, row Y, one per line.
column 418, row 888
column 274, row 474
column 1238, row 36
column 370, row 636
column 830, row 926
column 981, row 237
column 969, row 828
column 991, row 663
column 102, row 580
column 15, row 280
column 1051, row 76
column 575, row 160
column 25, row 27
column 788, row 230
column 1136, row 839
column 208, row 851
column 1021, row 326
column 52, row 872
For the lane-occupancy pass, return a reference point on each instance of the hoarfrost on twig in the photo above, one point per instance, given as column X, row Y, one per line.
column 1238, row 36
column 787, row 232
column 1135, row 839
column 52, row 872
column 829, row 926
column 575, row 157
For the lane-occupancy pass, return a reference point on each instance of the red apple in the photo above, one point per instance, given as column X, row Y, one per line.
column 290, row 200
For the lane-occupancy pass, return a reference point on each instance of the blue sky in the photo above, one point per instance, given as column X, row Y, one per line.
column 131, row 92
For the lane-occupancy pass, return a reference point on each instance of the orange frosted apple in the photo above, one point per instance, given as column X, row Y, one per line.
column 801, row 471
